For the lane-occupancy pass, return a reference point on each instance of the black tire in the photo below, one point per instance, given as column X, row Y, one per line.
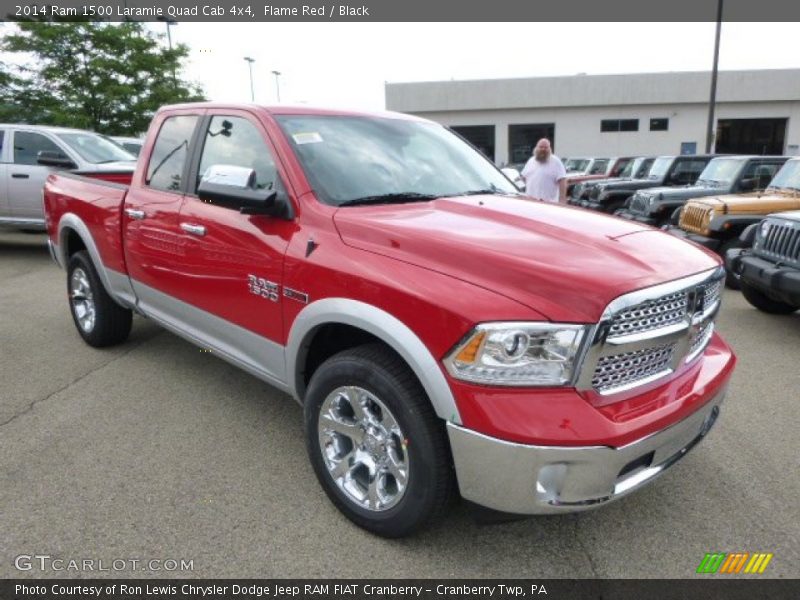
column 111, row 323
column 732, row 280
column 430, row 483
column 763, row 302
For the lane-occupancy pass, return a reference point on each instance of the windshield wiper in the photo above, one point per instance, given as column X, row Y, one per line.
column 492, row 190
column 394, row 198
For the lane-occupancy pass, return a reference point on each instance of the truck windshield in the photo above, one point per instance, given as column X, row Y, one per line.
column 788, row 177
column 373, row 160
column 96, row 149
column 577, row 164
column 631, row 168
column 660, row 167
column 720, row 172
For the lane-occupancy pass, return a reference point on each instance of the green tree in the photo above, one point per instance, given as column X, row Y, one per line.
column 108, row 77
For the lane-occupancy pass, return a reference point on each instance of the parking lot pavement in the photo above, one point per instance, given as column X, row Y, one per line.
column 156, row 450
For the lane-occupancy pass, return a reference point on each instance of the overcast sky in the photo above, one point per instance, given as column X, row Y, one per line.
column 346, row 64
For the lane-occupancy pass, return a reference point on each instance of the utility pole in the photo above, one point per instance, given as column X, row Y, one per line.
column 250, row 62
column 713, row 100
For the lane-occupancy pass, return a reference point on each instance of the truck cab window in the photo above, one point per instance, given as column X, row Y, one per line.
column 168, row 159
column 235, row 141
column 27, row 146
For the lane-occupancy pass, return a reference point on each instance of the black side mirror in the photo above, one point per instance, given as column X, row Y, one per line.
column 234, row 187
column 747, row 185
column 49, row 158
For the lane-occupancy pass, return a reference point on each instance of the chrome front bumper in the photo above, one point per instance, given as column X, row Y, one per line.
column 522, row 479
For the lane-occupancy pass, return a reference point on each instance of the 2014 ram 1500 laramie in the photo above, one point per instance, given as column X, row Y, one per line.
column 442, row 332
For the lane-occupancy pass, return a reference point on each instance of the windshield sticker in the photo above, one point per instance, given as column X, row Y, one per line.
column 311, row 137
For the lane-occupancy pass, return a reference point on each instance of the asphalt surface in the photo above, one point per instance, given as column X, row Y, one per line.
column 156, row 450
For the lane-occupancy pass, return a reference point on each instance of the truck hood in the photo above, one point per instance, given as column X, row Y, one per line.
column 752, row 202
column 565, row 263
column 629, row 184
column 678, row 193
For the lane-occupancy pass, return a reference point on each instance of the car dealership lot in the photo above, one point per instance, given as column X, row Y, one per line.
column 157, row 450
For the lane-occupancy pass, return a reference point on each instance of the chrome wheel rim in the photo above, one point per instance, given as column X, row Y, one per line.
column 363, row 448
column 80, row 293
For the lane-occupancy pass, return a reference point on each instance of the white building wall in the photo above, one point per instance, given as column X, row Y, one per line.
column 577, row 130
column 577, row 104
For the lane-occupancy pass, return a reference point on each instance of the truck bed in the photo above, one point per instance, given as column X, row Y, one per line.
column 97, row 203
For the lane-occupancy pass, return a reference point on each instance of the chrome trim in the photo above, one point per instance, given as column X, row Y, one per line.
column 396, row 334
column 198, row 230
column 134, row 213
column 23, row 222
column 529, row 479
column 696, row 318
column 301, row 297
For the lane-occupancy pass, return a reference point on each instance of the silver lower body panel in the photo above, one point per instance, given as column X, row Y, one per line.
column 524, row 479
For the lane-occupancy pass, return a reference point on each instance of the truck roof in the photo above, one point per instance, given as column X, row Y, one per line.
column 48, row 128
column 293, row 110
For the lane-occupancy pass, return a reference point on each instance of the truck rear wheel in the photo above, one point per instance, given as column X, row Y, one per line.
column 763, row 302
column 100, row 321
column 377, row 447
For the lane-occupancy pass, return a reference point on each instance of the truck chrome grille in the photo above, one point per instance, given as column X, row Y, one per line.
column 652, row 314
column 711, row 293
column 651, row 333
column 628, row 368
column 700, row 338
column 695, row 218
column 781, row 243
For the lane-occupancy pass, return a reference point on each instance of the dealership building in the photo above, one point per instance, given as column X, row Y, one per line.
column 757, row 112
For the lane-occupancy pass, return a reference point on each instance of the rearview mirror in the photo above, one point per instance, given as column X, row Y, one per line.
column 49, row 158
column 234, row 187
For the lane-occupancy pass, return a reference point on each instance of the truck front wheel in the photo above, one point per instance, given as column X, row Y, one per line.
column 376, row 445
column 100, row 321
column 763, row 302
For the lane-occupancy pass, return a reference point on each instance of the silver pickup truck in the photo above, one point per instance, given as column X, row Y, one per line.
column 29, row 153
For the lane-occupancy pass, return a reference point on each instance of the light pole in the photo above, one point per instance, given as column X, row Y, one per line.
column 713, row 99
column 250, row 62
column 277, row 84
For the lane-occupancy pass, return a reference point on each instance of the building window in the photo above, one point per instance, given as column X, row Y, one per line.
column 659, row 124
column 480, row 136
column 607, row 125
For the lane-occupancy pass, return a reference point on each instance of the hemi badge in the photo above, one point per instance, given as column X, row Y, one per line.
column 295, row 295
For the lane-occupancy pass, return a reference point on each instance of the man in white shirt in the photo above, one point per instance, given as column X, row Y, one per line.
column 544, row 174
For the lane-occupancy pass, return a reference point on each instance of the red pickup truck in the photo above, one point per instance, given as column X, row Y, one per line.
column 443, row 332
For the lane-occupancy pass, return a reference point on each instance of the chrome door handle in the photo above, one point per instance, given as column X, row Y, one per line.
column 193, row 229
column 135, row 214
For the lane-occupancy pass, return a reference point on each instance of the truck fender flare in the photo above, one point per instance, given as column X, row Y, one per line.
column 382, row 325
column 739, row 221
column 74, row 222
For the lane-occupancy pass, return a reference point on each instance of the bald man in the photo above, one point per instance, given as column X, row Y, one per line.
column 544, row 174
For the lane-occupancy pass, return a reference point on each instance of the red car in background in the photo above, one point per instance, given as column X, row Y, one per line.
column 594, row 168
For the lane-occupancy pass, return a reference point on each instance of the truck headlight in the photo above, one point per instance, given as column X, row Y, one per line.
column 517, row 354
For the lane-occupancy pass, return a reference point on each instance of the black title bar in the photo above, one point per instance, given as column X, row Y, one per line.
column 247, row 11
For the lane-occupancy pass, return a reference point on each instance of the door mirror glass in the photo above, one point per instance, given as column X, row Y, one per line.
column 49, row 158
